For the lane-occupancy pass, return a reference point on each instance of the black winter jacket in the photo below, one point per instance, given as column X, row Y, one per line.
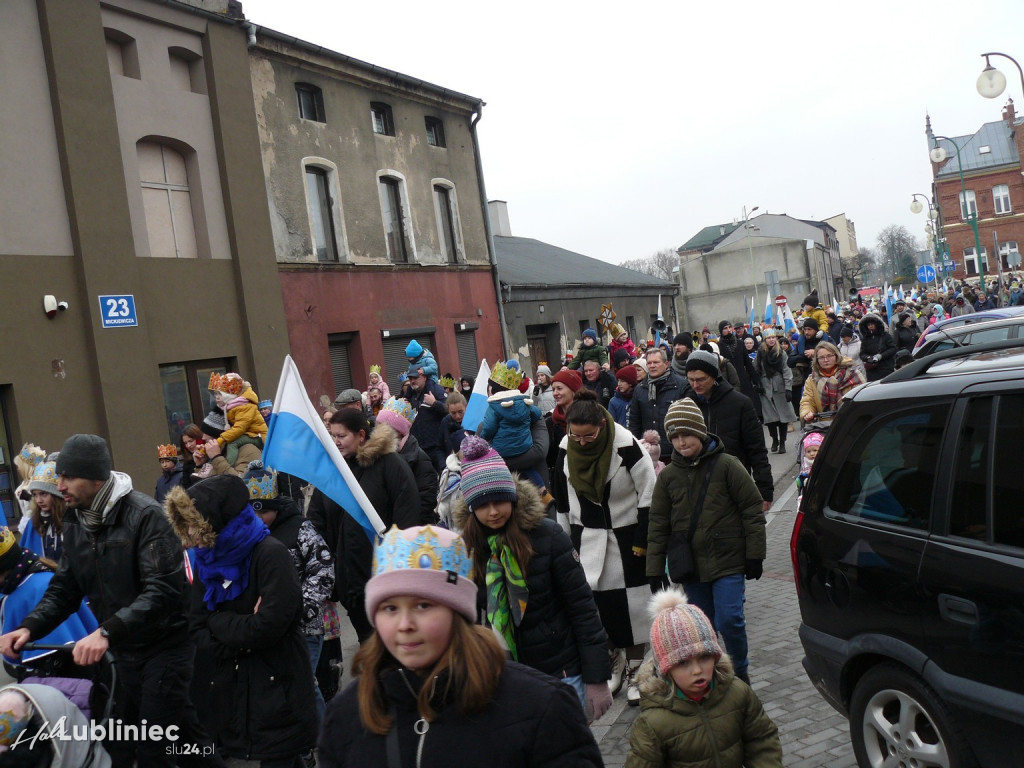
column 132, row 571
column 260, row 693
column 533, row 721
column 390, row 486
column 880, row 343
column 604, row 387
column 644, row 415
column 426, row 428
column 730, row 415
column 736, row 353
column 425, row 475
column 561, row 633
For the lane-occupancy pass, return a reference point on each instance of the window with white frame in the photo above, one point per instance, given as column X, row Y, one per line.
column 1001, row 198
column 167, row 201
column 446, row 212
column 435, row 132
column 393, row 212
column 1005, row 249
column 968, row 204
column 321, row 213
column 971, row 260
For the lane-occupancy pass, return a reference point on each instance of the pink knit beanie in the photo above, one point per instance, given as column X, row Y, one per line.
column 680, row 631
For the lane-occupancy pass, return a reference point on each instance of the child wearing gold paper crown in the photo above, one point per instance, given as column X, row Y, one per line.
column 170, row 471
column 239, row 402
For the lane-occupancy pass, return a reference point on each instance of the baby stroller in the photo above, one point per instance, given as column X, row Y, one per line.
column 46, row 717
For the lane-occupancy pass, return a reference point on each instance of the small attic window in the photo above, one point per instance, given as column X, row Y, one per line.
column 984, row 150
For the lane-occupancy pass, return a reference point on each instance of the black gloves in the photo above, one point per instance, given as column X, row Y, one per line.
column 789, row 395
column 658, row 583
column 754, row 569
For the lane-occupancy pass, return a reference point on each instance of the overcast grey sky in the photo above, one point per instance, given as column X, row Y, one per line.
column 618, row 130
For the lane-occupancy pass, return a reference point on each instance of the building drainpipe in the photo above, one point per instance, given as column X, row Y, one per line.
column 505, row 343
column 250, row 31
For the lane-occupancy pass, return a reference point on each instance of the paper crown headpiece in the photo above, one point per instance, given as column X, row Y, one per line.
column 168, row 451
column 262, row 483
column 32, row 454
column 228, row 383
column 44, row 478
column 375, row 369
column 509, row 378
column 425, row 551
column 401, row 406
column 447, row 382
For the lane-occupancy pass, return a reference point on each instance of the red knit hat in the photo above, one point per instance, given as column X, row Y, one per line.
column 569, row 378
column 627, row 374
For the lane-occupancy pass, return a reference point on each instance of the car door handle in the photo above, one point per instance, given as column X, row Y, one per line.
column 957, row 610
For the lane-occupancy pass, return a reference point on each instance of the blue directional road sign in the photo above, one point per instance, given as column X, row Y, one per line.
column 926, row 273
column 118, row 311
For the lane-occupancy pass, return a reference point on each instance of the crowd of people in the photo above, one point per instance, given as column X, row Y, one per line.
column 593, row 532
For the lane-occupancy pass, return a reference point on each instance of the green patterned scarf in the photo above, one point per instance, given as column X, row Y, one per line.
column 589, row 464
column 506, row 592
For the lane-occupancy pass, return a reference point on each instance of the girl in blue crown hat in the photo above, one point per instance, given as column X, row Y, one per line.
column 434, row 689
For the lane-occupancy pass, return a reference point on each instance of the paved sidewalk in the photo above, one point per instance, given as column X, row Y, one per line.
column 813, row 734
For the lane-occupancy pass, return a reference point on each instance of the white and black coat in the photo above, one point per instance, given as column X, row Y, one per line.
column 609, row 536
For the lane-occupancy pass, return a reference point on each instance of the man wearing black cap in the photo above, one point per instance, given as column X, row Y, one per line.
column 682, row 346
column 121, row 552
column 730, row 415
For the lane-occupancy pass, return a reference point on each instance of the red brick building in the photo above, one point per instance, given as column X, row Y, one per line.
column 992, row 189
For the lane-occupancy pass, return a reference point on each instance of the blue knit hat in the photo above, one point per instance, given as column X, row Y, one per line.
column 414, row 349
column 591, row 333
column 485, row 477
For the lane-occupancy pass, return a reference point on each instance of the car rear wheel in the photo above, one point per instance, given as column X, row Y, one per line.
column 898, row 721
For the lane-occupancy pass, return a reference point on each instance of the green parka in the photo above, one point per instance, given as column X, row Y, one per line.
column 727, row 729
column 731, row 529
column 598, row 352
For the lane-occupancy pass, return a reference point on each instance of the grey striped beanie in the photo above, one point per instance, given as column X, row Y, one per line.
column 684, row 417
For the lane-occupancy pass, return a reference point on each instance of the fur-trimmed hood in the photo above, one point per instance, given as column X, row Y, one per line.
column 182, row 512
column 661, row 690
column 529, row 508
column 380, row 442
column 862, row 326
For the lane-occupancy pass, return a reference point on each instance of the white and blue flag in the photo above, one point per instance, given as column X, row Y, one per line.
column 298, row 443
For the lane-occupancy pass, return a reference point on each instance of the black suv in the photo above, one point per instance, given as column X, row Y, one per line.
column 908, row 552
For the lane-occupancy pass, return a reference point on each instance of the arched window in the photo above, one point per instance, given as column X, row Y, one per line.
column 394, row 209
column 446, row 211
column 167, row 201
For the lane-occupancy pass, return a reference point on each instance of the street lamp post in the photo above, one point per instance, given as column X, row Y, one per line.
column 750, row 250
column 933, row 215
column 992, row 82
column 939, row 154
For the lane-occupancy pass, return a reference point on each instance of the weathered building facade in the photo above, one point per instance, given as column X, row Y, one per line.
column 132, row 192
column 776, row 255
column 376, row 197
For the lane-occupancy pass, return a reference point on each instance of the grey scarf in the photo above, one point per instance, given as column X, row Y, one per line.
column 654, row 383
column 92, row 517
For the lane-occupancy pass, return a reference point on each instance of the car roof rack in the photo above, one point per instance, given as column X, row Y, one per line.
column 920, row 366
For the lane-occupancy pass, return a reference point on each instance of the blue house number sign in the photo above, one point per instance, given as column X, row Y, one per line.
column 118, row 311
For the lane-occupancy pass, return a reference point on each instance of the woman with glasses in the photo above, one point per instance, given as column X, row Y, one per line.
column 602, row 484
column 832, row 376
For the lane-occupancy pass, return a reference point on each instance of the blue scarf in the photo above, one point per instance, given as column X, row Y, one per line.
column 224, row 567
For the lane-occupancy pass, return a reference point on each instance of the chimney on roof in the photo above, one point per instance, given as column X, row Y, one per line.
column 497, row 212
column 1009, row 115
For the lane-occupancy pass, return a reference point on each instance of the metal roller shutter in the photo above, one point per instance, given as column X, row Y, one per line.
column 341, row 371
column 469, row 363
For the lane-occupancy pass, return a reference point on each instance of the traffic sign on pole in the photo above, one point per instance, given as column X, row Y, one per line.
column 926, row 273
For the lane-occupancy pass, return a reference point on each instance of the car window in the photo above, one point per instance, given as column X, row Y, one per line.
column 992, row 334
column 988, row 483
column 889, row 474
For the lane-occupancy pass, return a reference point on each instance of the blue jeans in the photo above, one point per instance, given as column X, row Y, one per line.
column 722, row 601
column 576, row 683
column 314, row 644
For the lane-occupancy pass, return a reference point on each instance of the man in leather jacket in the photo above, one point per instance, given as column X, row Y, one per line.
column 121, row 552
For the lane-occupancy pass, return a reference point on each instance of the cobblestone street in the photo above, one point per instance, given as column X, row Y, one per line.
column 813, row 733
